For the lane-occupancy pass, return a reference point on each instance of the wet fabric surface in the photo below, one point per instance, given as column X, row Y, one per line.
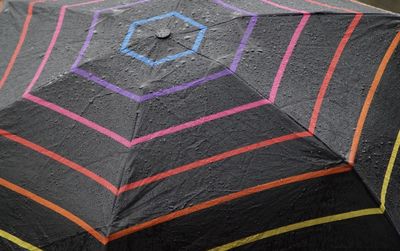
column 192, row 125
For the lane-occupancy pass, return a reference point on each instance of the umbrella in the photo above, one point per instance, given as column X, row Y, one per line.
column 195, row 125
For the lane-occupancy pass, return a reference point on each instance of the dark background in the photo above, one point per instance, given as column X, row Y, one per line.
column 393, row 5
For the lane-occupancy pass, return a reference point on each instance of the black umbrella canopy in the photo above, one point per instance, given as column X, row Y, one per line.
column 193, row 125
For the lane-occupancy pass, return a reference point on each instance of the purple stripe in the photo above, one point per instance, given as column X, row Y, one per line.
column 92, row 28
column 232, row 68
column 186, row 85
column 87, row 41
column 152, row 95
column 106, row 84
column 243, row 44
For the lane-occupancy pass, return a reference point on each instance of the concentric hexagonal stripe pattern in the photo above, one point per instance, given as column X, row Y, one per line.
column 193, row 125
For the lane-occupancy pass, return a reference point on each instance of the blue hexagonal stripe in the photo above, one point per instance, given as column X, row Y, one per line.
column 125, row 43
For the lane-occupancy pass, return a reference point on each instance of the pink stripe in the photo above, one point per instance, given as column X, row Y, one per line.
column 106, row 131
column 288, row 55
column 284, row 7
column 53, row 42
column 200, row 121
column 78, row 118
column 148, row 137
column 170, row 130
column 289, row 50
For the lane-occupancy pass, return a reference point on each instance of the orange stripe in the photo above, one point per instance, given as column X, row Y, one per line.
column 54, row 208
column 331, row 71
column 229, row 197
column 168, row 217
column 59, row 159
column 370, row 96
column 20, row 42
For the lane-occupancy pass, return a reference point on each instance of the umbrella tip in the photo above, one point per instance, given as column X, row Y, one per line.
column 163, row 33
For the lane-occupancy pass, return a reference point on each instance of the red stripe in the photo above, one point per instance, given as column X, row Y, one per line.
column 21, row 40
column 212, row 159
column 60, row 159
column 55, row 208
column 331, row 70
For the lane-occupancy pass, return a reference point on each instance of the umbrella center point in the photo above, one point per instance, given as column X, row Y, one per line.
column 163, row 33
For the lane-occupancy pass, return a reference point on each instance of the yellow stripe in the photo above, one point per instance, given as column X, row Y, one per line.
column 300, row 225
column 326, row 219
column 18, row 241
column 389, row 170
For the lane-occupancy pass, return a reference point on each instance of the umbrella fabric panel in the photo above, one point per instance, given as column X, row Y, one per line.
column 218, row 227
column 379, row 138
column 31, row 216
column 337, row 235
column 350, row 83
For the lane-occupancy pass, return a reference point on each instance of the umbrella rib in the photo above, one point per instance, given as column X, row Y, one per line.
column 120, row 180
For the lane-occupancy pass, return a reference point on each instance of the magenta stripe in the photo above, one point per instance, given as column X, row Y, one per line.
column 289, row 50
column 48, row 52
column 138, row 98
column 200, row 121
column 147, row 137
column 288, row 55
column 246, row 36
column 172, row 129
column 243, row 43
